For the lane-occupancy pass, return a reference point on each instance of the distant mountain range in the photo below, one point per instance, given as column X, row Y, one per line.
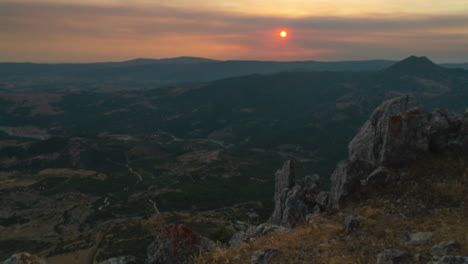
column 178, row 70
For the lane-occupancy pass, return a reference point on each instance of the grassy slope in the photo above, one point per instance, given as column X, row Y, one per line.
column 431, row 198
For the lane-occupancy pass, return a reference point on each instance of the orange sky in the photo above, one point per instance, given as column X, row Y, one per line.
column 113, row 30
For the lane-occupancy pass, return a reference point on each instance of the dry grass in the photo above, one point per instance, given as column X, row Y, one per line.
column 432, row 198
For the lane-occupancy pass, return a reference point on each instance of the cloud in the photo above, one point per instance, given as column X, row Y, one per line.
column 77, row 32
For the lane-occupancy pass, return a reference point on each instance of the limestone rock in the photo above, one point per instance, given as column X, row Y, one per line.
column 263, row 256
column 176, row 244
column 294, row 200
column 393, row 256
column 353, row 222
column 444, row 247
column 398, row 132
column 420, row 238
column 253, row 233
column 24, row 258
column 120, row 260
column 452, row 260
column 389, row 128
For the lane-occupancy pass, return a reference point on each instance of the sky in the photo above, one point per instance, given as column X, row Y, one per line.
column 325, row 30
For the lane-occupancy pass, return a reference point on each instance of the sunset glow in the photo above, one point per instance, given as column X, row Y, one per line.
column 109, row 30
column 283, row 34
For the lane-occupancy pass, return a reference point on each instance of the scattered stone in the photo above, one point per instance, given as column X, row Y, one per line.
column 420, row 238
column 452, row 260
column 444, row 248
column 177, row 244
column 253, row 233
column 120, row 260
column 263, row 256
column 393, row 256
column 353, row 223
column 24, row 258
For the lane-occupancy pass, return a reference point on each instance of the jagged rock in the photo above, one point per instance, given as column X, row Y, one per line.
column 253, row 233
column 322, row 199
column 452, row 260
column 353, row 222
column 120, row 260
column 293, row 200
column 176, row 244
column 390, row 127
column 24, row 258
column 420, row 238
column 398, row 132
column 346, row 179
column 263, row 256
column 392, row 256
column 444, row 247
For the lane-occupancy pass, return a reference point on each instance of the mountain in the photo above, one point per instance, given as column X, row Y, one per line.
column 122, row 162
column 415, row 66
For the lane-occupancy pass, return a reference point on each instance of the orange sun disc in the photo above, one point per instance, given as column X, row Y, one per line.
column 283, row 34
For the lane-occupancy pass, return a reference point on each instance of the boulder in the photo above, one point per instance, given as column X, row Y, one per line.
column 120, row 260
column 444, row 247
column 263, row 256
column 353, row 223
column 177, row 244
column 393, row 256
column 420, row 238
column 452, row 260
column 24, row 258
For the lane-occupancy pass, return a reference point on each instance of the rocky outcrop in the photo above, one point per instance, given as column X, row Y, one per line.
column 177, row 244
column 24, row 258
column 397, row 133
column 294, row 200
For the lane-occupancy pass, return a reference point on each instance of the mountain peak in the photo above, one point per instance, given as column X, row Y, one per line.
column 414, row 65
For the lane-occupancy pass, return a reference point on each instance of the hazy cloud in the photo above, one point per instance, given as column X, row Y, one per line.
column 74, row 32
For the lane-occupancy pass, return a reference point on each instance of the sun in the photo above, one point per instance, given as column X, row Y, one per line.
column 283, row 34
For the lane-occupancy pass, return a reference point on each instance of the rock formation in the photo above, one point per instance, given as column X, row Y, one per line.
column 24, row 258
column 294, row 200
column 398, row 132
column 176, row 244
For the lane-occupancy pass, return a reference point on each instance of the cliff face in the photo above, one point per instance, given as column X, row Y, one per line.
column 398, row 132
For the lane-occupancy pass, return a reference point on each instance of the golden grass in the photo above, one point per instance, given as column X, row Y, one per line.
column 432, row 198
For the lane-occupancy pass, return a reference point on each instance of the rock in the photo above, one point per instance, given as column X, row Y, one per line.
column 293, row 200
column 398, row 132
column 452, row 260
column 346, row 179
column 353, row 222
column 120, row 260
column 444, row 248
column 24, row 258
column 177, row 244
column 393, row 256
column 263, row 256
column 420, row 238
column 322, row 199
column 379, row 177
column 253, row 233
column 390, row 127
